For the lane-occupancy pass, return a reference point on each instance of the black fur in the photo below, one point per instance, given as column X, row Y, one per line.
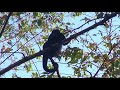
column 55, row 37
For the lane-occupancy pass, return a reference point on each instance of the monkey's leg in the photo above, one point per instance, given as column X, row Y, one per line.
column 58, row 74
column 55, row 67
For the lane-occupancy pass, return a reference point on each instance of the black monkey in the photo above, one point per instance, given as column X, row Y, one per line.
column 55, row 37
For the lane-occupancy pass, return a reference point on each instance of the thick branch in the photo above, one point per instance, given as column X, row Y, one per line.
column 91, row 27
column 20, row 62
column 5, row 23
column 68, row 39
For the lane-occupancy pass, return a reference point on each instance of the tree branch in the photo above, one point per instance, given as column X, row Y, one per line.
column 68, row 39
column 104, row 60
column 20, row 62
column 91, row 27
column 5, row 23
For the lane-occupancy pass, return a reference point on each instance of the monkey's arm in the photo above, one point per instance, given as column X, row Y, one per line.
column 63, row 38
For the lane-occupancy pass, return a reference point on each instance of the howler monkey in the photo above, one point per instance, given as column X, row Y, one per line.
column 53, row 51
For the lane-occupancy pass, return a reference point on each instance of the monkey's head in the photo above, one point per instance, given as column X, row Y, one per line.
column 56, row 31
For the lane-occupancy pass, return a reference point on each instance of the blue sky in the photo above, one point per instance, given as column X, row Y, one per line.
column 63, row 66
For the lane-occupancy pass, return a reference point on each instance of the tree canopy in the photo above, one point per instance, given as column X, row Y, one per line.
column 93, row 52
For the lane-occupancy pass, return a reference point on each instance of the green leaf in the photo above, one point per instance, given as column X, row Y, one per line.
column 1, row 22
column 9, row 42
column 34, row 74
column 35, row 14
column 84, row 68
column 100, row 15
column 50, row 76
column 118, row 52
column 39, row 22
column 19, row 13
column 83, row 59
column 117, row 63
column 78, row 74
column 73, row 61
column 81, row 54
column 22, row 23
column 59, row 58
column 105, row 56
column 108, row 45
column 68, row 23
column 34, row 21
column 42, row 76
column 50, row 66
column 90, row 65
column 78, row 13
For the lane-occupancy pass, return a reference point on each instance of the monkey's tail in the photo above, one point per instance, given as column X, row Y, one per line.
column 45, row 60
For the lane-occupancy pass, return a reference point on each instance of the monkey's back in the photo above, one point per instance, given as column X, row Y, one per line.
column 53, row 50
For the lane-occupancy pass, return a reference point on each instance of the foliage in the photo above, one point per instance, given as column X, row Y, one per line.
column 26, row 32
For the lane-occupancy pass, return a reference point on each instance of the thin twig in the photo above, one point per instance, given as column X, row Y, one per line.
column 5, row 23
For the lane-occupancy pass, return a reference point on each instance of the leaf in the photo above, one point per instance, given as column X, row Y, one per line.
column 106, row 25
column 78, row 74
column 28, row 67
column 3, row 48
column 9, row 42
column 118, row 52
column 94, row 35
column 90, row 65
column 4, row 17
column 34, row 21
column 34, row 75
column 84, row 68
column 68, row 23
column 105, row 56
column 39, row 22
column 59, row 58
column 50, row 66
column 8, row 50
column 35, row 14
column 22, row 23
column 108, row 45
column 83, row 59
column 50, row 76
column 15, row 13
column 78, row 13
column 73, row 61
column 81, row 54
column 100, row 15
column 1, row 22
column 42, row 76
column 117, row 63
column 19, row 13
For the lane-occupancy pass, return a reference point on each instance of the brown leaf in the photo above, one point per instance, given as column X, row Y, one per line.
column 8, row 50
